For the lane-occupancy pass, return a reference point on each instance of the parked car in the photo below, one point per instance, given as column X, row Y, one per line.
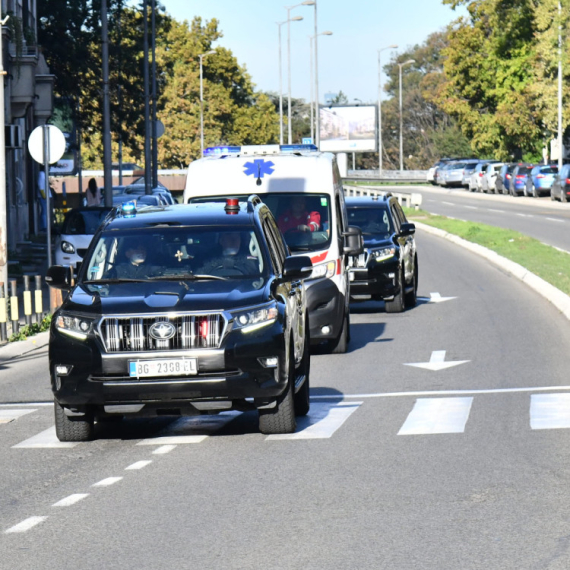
column 431, row 174
column 489, row 178
column 388, row 268
column 73, row 239
column 453, row 173
column 503, row 179
column 186, row 310
column 441, row 173
column 560, row 189
column 139, row 189
column 467, row 172
column 476, row 175
column 540, row 180
column 518, row 179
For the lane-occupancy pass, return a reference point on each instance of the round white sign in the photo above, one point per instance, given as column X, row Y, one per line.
column 56, row 144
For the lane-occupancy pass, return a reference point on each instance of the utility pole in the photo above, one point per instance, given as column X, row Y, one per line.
column 560, row 145
column 153, row 73
column 107, row 174
column 3, row 213
column 147, row 129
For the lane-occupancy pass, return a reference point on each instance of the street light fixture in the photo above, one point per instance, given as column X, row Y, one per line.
column 279, row 24
column 289, row 8
column 316, row 102
column 202, row 56
column 400, row 65
column 380, row 149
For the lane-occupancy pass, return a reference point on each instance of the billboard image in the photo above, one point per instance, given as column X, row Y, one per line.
column 348, row 128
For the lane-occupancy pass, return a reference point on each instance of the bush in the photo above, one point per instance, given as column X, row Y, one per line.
column 31, row 330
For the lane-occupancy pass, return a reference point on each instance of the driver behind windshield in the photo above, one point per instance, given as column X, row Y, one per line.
column 135, row 265
column 235, row 258
column 298, row 218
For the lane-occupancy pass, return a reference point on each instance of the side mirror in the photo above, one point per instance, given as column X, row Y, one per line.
column 59, row 277
column 353, row 241
column 297, row 267
column 407, row 229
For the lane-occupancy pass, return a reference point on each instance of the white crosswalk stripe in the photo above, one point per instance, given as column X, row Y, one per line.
column 549, row 411
column 11, row 414
column 45, row 439
column 437, row 416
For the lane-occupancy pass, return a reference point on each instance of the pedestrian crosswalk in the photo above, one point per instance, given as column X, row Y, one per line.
column 424, row 417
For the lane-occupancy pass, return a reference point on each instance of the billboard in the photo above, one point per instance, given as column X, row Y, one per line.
column 348, row 128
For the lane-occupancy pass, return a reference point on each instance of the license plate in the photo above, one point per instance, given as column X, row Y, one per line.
column 163, row 367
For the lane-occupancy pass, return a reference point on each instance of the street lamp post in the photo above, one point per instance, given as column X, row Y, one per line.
column 289, row 8
column 380, row 149
column 202, row 56
column 560, row 147
column 400, row 65
column 315, row 101
column 279, row 24
column 359, row 102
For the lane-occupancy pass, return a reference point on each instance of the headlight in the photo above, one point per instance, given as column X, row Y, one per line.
column 254, row 319
column 323, row 270
column 383, row 254
column 77, row 327
column 66, row 247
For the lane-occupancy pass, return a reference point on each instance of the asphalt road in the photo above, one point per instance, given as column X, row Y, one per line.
column 540, row 218
column 397, row 466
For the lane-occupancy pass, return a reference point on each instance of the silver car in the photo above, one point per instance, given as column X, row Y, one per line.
column 489, row 178
column 454, row 174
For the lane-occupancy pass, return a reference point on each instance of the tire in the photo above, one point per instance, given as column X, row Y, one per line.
column 340, row 345
column 72, row 428
column 525, row 193
column 281, row 418
column 534, row 192
column 301, row 401
column 552, row 196
column 563, row 197
column 397, row 305
column 411, row 298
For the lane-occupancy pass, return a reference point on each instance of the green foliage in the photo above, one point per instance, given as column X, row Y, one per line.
column 30, row 330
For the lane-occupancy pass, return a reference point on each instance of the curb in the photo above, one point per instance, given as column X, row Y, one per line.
column 19, row 348
column 559, row 299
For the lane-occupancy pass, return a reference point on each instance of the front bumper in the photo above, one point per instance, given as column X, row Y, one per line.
column 230, row 374
column 326, row 306
column 377, row 279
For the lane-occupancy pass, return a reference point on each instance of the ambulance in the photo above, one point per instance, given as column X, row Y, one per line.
column 303, row 189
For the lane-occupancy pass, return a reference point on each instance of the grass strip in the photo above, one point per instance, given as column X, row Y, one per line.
column 543, row 260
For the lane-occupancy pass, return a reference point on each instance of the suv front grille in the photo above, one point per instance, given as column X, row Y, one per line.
column 131, row 334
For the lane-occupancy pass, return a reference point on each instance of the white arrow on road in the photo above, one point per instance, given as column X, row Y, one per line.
column 437, row 362
column 435, row 298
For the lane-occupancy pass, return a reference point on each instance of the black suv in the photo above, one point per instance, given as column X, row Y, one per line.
column 182, row 310
column 388, row 268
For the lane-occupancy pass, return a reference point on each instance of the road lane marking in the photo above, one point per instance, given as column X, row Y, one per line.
column 436, row 416
column 550, row 411
column 471, row 207
column 496, row 211
column 71, row 500
column 449, row 203
column 7, row 416
column 555, row 220
column 525, row 215
column 437, row 362
column 45, row 440
column 321, row 422
column 138, row 465
column 427, row 393
column 20, row 404
column 26, row 525
column 163, row 449
column 107, row 482
column 193, row 429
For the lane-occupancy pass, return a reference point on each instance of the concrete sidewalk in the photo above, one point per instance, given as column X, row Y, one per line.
column 12, row 350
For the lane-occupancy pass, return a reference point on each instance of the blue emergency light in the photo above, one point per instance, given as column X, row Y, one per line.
column 129, row 208
column 225, row 150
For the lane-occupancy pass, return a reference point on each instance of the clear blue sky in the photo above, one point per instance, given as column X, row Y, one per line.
column 347, row 60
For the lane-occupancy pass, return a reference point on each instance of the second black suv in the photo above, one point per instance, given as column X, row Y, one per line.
column 182, row 310
column 388, row 268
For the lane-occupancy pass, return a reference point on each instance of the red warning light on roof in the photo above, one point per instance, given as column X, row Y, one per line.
column 232, row 206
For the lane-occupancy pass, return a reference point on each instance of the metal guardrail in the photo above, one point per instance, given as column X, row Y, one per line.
column 408, row 199
column 389, row 175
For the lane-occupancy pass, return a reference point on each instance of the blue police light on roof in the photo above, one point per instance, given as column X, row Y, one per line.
column 129, row 208
column 220, row 150
column 297, row 147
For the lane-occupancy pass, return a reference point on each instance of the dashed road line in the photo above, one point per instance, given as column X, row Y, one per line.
column 163, row 449
column 26, row 525
column 71, row 500
column 107, row 482
column 496, row 211
column 138, row 465
column 437, row 416
column 556, row 220
column 525, row 215
column 449, row 203
column 471, row 207
column 549, row 411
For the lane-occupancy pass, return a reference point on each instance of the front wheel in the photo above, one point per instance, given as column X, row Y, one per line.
column 281, row 418
column 534, row 192
column 411, row 298
column 301, row 399
column 340, row 345
column 397, row 305
column 67, row 428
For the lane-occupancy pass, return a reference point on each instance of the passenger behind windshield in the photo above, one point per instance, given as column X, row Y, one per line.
column 177, row 253
column 372, row 221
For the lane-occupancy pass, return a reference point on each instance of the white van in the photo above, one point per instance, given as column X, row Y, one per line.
column 303, row 189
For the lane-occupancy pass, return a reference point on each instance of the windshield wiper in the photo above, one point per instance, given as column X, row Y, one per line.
column 106, row 281
column 188, row 276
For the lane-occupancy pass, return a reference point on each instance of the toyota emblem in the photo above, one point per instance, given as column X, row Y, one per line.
column 162, row 331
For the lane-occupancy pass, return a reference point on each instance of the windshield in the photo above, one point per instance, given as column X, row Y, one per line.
column 303, row 218
column 84, row 222
column 230, row 252
column 373, row 222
